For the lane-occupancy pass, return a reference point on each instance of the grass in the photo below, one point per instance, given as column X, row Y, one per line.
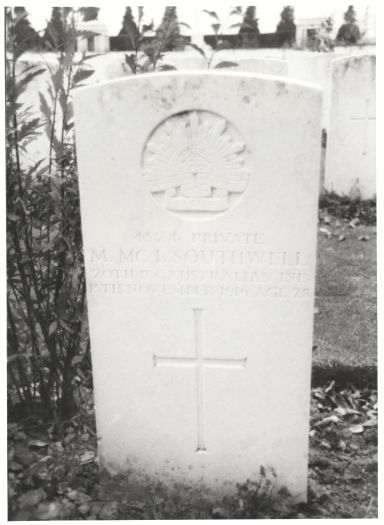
column 345, row 327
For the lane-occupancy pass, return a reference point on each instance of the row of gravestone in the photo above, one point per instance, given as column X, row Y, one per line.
column 348, row 111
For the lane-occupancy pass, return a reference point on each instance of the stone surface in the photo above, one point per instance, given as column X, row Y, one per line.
column 351, row 153
column 199, row 212
column 188, row 59
column 252, row 63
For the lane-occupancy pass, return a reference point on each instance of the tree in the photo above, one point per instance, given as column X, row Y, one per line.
column 25, row 36
column 249, row 29
column 54, row 34
column 89, row 13
column 129, row 30
column 349, row 32
column 168, row 32
column 287, row 25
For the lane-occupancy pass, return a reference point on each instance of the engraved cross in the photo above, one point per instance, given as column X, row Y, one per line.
column 199, row 362
column 365, row 118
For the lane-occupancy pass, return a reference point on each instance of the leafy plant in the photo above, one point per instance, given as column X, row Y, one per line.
column 48, row 348
column 349, row 207
column 148, row 52
column 219, row 43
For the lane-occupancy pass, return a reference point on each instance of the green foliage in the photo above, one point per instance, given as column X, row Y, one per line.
column 349, row 32
column 48, row 348
column 287, row 25
column 148, row 52
column 220, row 43
column 89, row 13
column 168, row 32
column 249, row 29
column 25, row 36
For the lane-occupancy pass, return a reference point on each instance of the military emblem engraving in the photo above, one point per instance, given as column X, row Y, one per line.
column 196, row 164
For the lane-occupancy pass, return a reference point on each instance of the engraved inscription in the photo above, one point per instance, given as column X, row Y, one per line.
column 199, row 362
column 196, row 164
column 200, row 264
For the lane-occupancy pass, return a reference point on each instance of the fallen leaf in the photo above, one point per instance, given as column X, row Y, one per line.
column 356, row 429
column 87, row 457
column 341, row 238
column 326, row 232
column 326, row 445
column 31, row 498
column 48, row 510
column 364, row 238
column 220, row 513
column 370, row 423
column 14, row 467
column 327, row 421
column 37, row 443
column 83, row 509
column 330, row 386
column 353, row 223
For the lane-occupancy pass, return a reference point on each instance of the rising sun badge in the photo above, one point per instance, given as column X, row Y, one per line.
column 196, row 164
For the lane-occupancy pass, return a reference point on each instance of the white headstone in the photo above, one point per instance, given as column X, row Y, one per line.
column 313, row 67
column 188, row 59
column 351, row 152
column 199, row 212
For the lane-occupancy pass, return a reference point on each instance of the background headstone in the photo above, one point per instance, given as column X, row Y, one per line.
column 199, row 213
column 351, row 151
column 253, row 63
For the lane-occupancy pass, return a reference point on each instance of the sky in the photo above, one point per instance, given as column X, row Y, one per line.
column 268, row 12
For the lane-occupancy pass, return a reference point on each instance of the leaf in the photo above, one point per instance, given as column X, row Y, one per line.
column 166, row 67
column 31, row 498
column 183, row 24
column 327, row 421
column 233, row 26
column 216, row 28
column 77, row 359
column 22, row 84
column 87, row 457
column 198, row 49
column 82, row 74
column 45, row 108
column 212, row 14
column 48, row 510
column 236, row 11
column 330, row 386
column 356, row 429
column 325, row 231
column 225, row 63
column 37, row 443
column 52, row 328
column 370, row 423
column 130, row 60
